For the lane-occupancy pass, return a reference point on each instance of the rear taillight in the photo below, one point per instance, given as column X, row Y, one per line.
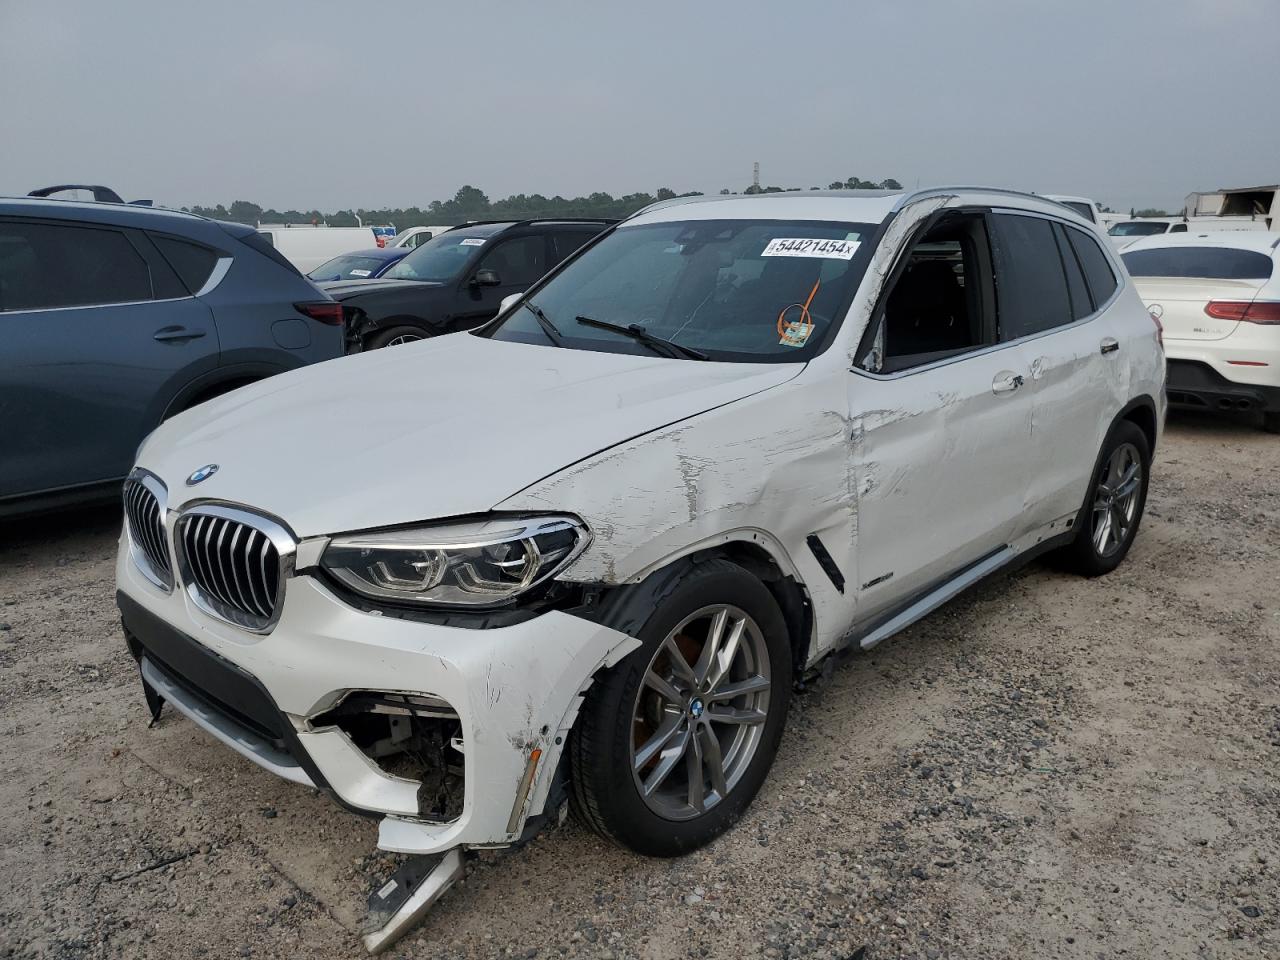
column 1159, row 328
column 382, row 241
column 1265, row 312
column 322, row 311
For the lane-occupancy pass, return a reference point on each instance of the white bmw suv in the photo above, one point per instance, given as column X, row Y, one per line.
column 582, row 554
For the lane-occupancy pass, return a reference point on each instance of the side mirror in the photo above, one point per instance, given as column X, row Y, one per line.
column 486, row 278
column 508, row 302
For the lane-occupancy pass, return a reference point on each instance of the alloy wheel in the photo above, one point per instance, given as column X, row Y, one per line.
column 1115, row 501
column 403, row 338
column 700, row 712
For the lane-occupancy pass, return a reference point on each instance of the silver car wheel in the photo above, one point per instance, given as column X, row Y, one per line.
column 403, row 338
column 1115, row 501
column 700, row 712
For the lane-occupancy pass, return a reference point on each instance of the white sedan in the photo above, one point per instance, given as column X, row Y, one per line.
column 1218, row 297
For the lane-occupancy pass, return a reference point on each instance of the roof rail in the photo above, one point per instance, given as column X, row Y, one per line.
column 532, row 220
column 100, row 193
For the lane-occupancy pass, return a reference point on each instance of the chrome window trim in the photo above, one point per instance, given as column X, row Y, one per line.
column 281, row 538
column 155, row 486
column 1122, row 280
column 94, row 306
column 216, row 276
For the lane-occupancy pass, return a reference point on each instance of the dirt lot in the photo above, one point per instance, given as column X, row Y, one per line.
column 1050, row 767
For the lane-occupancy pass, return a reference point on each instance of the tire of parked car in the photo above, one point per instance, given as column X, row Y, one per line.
column 1113, row 505
column 673, row 743
column 1271, row 422
column 394, row 337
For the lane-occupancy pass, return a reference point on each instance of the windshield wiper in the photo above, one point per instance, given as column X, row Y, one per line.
column 657, row 344
column 550, row 329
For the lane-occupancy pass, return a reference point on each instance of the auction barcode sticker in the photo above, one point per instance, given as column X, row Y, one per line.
column 798, row 247
column 473, row 242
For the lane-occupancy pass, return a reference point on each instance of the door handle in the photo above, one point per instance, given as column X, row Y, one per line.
column 177, row 333
column 1006, row 381
column 1109, row 345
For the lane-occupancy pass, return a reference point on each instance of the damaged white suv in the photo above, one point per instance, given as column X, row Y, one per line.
column 582, row 554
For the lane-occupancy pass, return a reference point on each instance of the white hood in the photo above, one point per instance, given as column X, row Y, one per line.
column 440, row 428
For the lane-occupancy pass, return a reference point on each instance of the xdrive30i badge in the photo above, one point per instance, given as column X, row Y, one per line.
column 202, row 474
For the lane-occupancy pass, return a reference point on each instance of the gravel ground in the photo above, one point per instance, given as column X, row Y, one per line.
column 1048, row 767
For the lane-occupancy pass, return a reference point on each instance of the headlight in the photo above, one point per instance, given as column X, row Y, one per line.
column 469, row 564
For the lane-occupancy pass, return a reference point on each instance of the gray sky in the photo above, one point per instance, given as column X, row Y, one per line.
column 359, row 104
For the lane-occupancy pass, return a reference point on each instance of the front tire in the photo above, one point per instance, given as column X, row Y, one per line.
column 1114, row 504
column 674, row 742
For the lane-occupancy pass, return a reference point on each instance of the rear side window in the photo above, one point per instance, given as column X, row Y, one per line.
column 1031, row 288
column 263, row 243
column 1097, row 268
column 1081, row 304
column 1212, row 263
column 44, row 265
column 191, row 261
column 569, row 241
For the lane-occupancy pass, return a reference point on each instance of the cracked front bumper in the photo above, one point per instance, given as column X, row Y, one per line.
column 516, row 691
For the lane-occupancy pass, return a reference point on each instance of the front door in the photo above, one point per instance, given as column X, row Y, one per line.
column 511, row 266
column 942, row 419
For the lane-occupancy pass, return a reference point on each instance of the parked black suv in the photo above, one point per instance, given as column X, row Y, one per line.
column 456, row 280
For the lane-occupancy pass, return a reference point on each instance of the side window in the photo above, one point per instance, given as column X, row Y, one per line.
column 1031, row 286
column 1097, row 269
column 44, row 265
column 1081, row 304
column 191, row 261
column 568, row 241
column 940, row 303
column 518, row 262
column 1178, row 228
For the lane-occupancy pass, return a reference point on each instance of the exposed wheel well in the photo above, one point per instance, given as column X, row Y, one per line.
column 215, row 390
column 1145, row 419
column 789, row 594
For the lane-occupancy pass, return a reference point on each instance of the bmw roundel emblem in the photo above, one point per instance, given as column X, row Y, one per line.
column 203, row 474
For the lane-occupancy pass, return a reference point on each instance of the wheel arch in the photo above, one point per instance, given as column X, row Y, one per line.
column 756, row 552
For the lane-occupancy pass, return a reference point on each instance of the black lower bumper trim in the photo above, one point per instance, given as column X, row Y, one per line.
column 218, row 683
column 1198, row 386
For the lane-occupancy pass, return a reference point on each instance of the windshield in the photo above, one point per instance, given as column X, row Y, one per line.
column 766, row 291
column 442, row 257
column 346, row 268
column 1134, row 229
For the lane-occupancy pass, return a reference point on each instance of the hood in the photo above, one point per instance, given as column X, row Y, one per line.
column 346, row 289
column 440, row 428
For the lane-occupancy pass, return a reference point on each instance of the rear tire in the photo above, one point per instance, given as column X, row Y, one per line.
column 665, row 755
column 1113, row 506
column 394, row 337
column 1271, row 422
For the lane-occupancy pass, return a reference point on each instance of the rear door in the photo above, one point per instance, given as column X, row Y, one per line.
column 97, row 336
column 1048, row 306
column 516, row 262
column 1178, row 283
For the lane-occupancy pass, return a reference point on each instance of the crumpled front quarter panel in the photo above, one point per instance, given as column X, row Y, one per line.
column 769, row 469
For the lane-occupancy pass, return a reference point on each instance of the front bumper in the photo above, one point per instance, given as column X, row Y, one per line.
column 516, row 691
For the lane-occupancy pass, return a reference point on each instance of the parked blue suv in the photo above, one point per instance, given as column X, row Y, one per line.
column 113, row 317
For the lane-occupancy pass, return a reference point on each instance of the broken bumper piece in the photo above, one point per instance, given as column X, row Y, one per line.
column 451, row 736
column 396, row 906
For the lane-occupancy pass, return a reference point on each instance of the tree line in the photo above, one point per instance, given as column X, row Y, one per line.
column 471, row 203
